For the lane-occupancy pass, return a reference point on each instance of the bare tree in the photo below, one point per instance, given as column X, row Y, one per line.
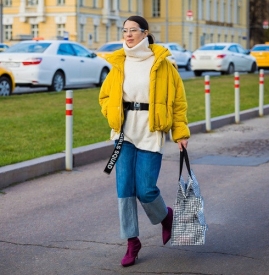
column 258, row 13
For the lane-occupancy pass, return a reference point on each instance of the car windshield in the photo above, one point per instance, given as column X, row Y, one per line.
column 261, row 48
column 28, row 47
column 212, row 48
column 110, row 47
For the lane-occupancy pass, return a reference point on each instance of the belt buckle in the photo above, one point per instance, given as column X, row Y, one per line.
column 136, row 106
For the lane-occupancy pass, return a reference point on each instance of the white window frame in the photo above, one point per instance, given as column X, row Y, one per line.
column 82, row 33
column 8, row 32
column 156, row 4
column 8, row 3
column 34, row 30
column 60, row 29
column 60, row 2
column 95, row 34
column 32, row 2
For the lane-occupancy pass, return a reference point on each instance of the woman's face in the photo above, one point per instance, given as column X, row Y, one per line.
column 133, row 34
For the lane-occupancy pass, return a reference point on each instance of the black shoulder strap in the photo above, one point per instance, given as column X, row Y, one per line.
column 184, row 156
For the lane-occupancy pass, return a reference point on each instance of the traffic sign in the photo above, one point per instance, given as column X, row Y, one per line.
column 189, row 16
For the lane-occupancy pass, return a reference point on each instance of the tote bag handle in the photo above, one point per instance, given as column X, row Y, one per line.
column 184, row 156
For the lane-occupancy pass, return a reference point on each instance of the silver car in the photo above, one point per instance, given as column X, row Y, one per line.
column 181, row 56
column 225, row 58
column 56, row 64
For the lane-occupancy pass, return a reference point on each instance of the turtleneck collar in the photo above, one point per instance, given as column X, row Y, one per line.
column 139, row 52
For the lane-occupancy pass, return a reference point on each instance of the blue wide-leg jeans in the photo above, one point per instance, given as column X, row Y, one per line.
column 137, row 173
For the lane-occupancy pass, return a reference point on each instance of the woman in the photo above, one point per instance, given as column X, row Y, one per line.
column 143, row 97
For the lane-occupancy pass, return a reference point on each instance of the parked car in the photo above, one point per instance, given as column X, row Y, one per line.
column 181, row 56
column 56, row 64
column 3, row 47
column 261, row 53
column 7, row 82
column 222, row 57
column 108, row 48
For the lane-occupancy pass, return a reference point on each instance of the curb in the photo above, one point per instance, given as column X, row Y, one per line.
column 23, row 171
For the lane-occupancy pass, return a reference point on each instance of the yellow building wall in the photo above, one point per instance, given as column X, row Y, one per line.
column 170, row 26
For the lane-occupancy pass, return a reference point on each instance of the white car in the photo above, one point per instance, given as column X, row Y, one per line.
column 179, row 55
column 226, row 58
column 56, row 64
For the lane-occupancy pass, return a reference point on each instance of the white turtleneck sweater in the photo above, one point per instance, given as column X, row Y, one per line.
column 137, row 66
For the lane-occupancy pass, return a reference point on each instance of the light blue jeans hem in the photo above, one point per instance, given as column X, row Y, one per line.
column 156, row 210
column 128, row 217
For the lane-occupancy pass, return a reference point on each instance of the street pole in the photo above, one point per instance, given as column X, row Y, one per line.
column 248, row 24
column 1, row 21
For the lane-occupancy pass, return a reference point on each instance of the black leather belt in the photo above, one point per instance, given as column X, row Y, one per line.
column 135, row 106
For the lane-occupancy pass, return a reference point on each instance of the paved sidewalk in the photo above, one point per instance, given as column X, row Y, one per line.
column 66, row 223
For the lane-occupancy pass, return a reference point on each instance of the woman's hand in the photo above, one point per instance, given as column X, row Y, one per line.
column 182, row 143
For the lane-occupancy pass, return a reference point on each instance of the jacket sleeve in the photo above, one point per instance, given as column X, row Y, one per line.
column 180, row 129
column 104, row 95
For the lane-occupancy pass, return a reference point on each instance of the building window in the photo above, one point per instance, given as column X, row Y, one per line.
column 202, row 9
column 95, row 34
column 129, row 5
column 81, row 3
column 211, row 38
column 107, row 33
column 190, row 41
column 225, row 38
column 209, row 9
column 60, row 2
column 232, row 38
column 32, row 2
column 224, row 12
column 8, row 3
column 219, row 36
column 119, row 33
column 238, row 15
column 82, row 33
column 8, row 32
column 60, row 30
column 189, row 4
column 231, row 12
column 34, row 30
column 217, row 11
column 156, row 8
column 94, row 3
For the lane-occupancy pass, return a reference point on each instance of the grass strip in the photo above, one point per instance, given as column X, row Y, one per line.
column 33, row 125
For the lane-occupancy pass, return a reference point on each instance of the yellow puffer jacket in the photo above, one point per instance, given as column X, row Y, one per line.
column 167, row 99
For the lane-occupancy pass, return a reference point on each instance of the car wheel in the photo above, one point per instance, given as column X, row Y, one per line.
column 198, row 73
column 188, row 66
column 253, row 68
column 57, row 84
column 5, row 86
column 230, row 69
column 103, row 76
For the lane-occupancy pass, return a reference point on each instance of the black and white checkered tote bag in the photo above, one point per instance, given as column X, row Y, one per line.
column 189, row 224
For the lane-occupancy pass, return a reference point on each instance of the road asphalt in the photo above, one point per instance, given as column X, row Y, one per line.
column 66, row 223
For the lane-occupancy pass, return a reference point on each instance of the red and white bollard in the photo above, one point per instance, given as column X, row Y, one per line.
column 207, row 104
column 69, row 130
column 237, row 97
column 261, row 92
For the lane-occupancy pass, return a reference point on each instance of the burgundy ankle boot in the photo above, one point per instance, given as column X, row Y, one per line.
column 133, row 248
column 167, row 225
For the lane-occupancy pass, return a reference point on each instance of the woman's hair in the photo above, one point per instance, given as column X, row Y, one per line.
column 143, row 24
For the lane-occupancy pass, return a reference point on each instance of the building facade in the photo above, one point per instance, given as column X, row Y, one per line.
column 94, row 22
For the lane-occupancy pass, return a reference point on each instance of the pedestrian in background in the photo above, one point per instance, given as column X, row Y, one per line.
column 143, row 96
